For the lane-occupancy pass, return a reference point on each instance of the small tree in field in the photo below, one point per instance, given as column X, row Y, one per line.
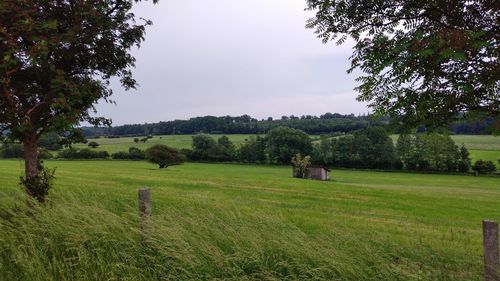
column 301, row 165
column 56, row 61
column 93, row 144
column 164, row 156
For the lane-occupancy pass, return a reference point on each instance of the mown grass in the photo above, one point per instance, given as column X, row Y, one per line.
column 241, row 222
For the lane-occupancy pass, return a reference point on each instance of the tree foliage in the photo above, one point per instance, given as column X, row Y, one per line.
column 164, row 156
column 283, row 143
column 423, row 61
column 56, row 62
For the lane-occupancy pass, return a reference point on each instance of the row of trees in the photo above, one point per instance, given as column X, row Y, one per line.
column 326, row 123
column 370, row 148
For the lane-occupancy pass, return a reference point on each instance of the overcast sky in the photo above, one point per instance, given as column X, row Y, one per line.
column 227, row 57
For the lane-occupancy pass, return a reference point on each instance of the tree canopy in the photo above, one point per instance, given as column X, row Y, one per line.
column 56, row 62
column 422, row 61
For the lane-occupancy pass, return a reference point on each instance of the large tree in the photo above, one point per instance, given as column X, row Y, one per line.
column 56, row 61
column 425, row 62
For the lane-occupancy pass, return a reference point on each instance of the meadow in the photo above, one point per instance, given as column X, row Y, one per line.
column 486, row 147
column 243, row 222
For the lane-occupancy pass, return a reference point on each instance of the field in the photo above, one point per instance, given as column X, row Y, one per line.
column 243, row 222
column 486, row 147
column 177, row 141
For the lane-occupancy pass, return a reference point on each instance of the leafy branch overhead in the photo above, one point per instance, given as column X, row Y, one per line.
column 426, row 62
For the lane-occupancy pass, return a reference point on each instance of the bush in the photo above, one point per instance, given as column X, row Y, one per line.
column 164, row 156
column 50, row 141
column 12, row 150
column 484, row 167
column 300, row 165
column 38, row 187
column 93, row 144
column 84, row 153
column 132, row 154
column 44, row 153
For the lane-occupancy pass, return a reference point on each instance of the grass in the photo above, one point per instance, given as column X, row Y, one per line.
column 243, row 222
column 177, row 141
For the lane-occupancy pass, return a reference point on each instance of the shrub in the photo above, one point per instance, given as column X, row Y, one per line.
column 301, row 165
column 50, row 141
column 12, row 150
column 484, row 167
column 93, row 144
column 44, row 153
column 84, row 153
column 38, row 187
column 132, row 154
column 164, row 156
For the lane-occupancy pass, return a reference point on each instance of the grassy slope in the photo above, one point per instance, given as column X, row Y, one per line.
column 245, row 222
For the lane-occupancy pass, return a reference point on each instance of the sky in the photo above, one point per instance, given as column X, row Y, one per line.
column 227, row 57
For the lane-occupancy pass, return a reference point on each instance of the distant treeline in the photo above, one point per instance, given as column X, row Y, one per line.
column 324, row 124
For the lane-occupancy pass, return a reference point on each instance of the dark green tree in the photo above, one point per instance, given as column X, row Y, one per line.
column 374, row 148
column 56, row 62
column 50, row 141
column 484, row 167
column 253, row 150
column 203, row 147
column 405, row 149
column 164, row 156
column 424, row 62
column 93, row 144
column 465, row 161
column 283, row 143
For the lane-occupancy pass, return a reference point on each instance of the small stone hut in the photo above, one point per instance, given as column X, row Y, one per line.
column 315, row 172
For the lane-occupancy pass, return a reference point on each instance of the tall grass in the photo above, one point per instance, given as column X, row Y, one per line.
column 206, row 228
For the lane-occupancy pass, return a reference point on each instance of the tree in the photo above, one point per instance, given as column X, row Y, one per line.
column 253, row 150
column 374, row 148
column 484, row 167
column 465, row 161
column 164, row 156
column 405, row 149
column 423, row 61
column 136, row 140
column 93, row 144
column 203, row 145
column 56, row 62
column 301, row 165
column 50, row 141
column 284, row 143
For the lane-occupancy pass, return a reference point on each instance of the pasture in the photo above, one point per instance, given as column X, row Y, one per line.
column 486, row 147
column 244, row 222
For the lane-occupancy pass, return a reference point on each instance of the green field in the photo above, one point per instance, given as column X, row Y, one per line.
column 486, row 147
column 243, row 222
column 177, row 141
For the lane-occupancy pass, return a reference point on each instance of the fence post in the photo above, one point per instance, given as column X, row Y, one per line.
column 144, row 203
column 490, row 248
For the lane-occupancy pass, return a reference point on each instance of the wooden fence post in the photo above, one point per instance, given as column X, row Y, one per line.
column 490, row 248
column 144, row 203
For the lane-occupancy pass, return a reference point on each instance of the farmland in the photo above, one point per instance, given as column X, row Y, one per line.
column 486, row 147
column 221, row 221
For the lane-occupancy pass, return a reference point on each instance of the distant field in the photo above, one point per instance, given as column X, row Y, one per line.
column 480, row 146
column 177, row 141
column 244, row 222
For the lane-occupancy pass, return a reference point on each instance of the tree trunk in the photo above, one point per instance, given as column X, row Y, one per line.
column 30, row 157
